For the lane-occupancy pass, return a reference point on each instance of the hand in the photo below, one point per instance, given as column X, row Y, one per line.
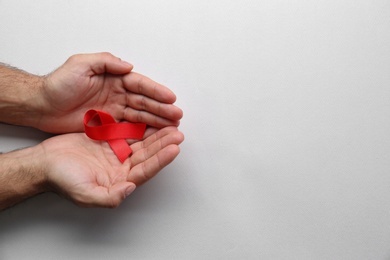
column 88, row 172
column 104, row 82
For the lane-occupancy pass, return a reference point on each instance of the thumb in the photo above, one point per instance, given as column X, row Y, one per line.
column 106, row 62
column 110, row 197
column 103, row 62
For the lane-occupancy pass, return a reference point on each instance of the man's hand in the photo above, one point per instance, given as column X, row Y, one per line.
column 88, row 173
column 85, row 171
column 102, row 81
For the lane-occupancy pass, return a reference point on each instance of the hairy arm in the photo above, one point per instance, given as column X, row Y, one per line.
column 56, row 103
column 20, row 96
column 21, row 176
column 84, row 171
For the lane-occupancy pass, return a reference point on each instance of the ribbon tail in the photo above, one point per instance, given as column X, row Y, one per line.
column 121, row 149
column 105, row 128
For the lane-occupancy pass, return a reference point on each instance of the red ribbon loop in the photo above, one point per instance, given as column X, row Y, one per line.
column 106, row 128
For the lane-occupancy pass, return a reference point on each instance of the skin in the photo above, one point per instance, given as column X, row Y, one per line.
column 103, row 82
column 82, row 170
column 56, row 103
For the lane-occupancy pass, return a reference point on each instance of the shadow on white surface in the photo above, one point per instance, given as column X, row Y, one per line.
column 15, row 137
column 90, row 225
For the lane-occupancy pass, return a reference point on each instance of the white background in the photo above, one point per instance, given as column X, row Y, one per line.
column 287, row 125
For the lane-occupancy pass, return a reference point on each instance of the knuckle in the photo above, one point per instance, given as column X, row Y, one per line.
column 139, row 116
column 106, row 54
column 74, row 58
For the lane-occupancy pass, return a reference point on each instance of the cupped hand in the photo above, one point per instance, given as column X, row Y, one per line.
column 88, row 173
column 104, row 82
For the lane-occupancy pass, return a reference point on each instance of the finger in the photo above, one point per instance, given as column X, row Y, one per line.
column 103, row 62
column 143, row 103
column 146, row 170
column 153, row 138
column 149, row 151
column 137, row 116
column 106, row 197
column 143, row 85
column 148, row 132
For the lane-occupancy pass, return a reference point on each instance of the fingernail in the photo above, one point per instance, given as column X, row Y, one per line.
column 128, row 64
column 130, row 190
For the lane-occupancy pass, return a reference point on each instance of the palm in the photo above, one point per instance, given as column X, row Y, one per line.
column 89, row 173
column 100, row 81
column 103, row 92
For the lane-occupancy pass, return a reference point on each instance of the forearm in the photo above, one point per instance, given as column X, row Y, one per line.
column 21, row 175
column 19, row 96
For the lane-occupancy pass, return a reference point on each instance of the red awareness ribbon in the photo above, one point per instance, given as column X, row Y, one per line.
column 106, row 128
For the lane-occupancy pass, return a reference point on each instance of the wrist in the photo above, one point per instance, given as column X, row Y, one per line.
column 20, row 101
column 36, row 166
column 24, row 173
column 29, row 163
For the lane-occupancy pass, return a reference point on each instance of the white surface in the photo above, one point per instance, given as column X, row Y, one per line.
column 287, row 124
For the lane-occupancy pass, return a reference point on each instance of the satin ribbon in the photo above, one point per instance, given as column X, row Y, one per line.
column 101, row 126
